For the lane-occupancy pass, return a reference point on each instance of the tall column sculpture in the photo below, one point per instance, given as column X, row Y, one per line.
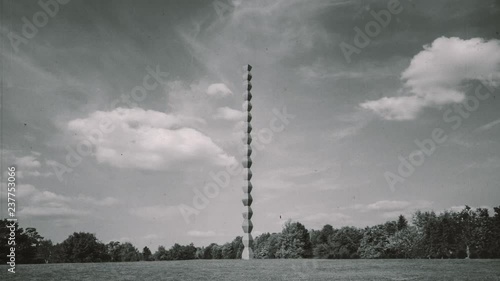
column 247, row 173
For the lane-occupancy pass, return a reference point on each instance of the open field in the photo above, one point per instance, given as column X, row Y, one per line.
column 264, row 270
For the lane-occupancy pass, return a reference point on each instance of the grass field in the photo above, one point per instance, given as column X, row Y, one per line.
column 263, row 270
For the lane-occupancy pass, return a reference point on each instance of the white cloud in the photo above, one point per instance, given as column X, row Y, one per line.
column 28, row 162
column 50, row 198
column 386, row 205
column 156, row 212
column 149, row 140
column 47, row 204
column 436, row 74
column 197, row 233
column 218, row 90
column 27, row 165
column 396, row 108
column 227, row 113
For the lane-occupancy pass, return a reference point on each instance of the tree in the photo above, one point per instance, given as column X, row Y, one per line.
column 295, row 241
column 146, row 254
column 216, row 252
column 402, row 223
column 323, row 251
column 189, row 252
column 483, row 233
column 27, row 241
column 325, row 233
column 127, row 252
column 426, row 224
column 450, row 234
column 228, row 252
column 495, row 234
column 161, row 254
column 260, row 250
column 44, row 251
column 404, row 243
column 238, row 246
column 374, row 243
column 467, row 221
column 83, row 247
column 113, row 250
column 345, row 243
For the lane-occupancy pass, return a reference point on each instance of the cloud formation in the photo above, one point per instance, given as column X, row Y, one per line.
column 44, row 204
column 436, row 75
column 27, row 165
column 229, row 114
column 218, row 90
column 148, row 140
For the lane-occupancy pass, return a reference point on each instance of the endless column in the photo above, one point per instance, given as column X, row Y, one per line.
column 247, row 163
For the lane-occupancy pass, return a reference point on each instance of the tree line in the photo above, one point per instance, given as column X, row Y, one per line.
column 467, row 233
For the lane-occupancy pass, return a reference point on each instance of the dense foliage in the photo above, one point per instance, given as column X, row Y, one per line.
column 465, row 234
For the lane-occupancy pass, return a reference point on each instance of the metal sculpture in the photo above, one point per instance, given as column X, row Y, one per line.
column 247, row 173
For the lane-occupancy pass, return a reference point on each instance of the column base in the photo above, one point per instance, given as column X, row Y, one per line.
column 247, row 254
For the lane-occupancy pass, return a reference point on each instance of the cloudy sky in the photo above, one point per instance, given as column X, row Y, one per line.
column 118, row 114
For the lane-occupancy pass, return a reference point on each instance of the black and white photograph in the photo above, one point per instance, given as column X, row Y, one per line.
column 249, row 140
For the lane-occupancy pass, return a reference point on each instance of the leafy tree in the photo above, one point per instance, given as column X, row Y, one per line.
column 314, row 237
column 295, row 241
column 199, row 252
column 495, row 233
column 44, row 251
column 374, row 243
column 146, row 254
column 467, row 220
column 4, row 239
column 326, row 232
column 402, row 223
column 404, row 243
column 216, row 252
column 483, row 233
column 113, row 250
column 27, row 240
column 127, row 252
column 83, row 247
column 467, row 233
column 228, row 252
column 323, row 251
column 189, row 252
column 161, row 254
column 238, row 246
column 345, row 243
column 260, row 249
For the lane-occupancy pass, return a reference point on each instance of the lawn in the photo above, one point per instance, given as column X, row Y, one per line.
column 263, row 270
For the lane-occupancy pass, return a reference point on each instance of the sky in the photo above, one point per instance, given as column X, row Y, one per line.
column 124, row 118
